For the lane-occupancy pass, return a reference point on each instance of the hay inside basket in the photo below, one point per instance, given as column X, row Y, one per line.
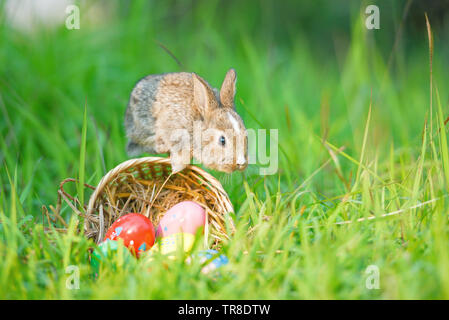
column 147, row 186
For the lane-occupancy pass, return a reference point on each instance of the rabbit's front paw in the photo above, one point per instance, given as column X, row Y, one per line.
column 178, row 162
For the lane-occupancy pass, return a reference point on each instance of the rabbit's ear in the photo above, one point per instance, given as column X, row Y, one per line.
column 227, row 91
column 202, row 94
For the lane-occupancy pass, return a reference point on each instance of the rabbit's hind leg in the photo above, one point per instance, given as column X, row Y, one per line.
column 133, row 149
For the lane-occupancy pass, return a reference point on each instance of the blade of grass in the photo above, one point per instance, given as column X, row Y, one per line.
column 443, row 141
column 82, row 164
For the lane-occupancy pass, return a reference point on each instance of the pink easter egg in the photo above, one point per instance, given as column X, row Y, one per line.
column 186, row 216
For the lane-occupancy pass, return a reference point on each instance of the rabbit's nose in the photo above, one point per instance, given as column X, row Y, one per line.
column 241, row 159
column 241, row 167
column 241, row 163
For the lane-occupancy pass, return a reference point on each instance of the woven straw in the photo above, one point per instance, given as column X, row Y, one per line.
column 147, row 186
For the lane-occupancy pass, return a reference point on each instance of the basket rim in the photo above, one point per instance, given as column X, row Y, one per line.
column 156, row 160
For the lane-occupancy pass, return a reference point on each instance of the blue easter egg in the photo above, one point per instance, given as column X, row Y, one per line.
column 216, row 262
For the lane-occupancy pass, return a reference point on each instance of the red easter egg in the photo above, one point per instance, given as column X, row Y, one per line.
column 135, row 229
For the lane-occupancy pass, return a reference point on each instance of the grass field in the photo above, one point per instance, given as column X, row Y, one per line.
column 361, row 135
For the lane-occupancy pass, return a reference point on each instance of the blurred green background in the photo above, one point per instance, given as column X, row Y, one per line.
column 309, row 69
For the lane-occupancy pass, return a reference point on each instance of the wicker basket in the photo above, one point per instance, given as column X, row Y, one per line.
column 147, row 186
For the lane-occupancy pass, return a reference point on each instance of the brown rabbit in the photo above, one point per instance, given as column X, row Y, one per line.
column 180, row 114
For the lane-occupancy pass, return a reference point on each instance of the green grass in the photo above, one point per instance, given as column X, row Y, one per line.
column 359, row 138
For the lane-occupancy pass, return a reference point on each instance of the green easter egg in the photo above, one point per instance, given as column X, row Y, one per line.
column 106, row 251
column 103, row 250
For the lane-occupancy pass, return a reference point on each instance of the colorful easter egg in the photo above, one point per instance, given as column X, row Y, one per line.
column 184, row 217
column 106, row 251
column 135, row 229
column 170, row 244
column 212, row 260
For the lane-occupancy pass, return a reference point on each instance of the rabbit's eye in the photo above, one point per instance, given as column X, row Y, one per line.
column 222, row 140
